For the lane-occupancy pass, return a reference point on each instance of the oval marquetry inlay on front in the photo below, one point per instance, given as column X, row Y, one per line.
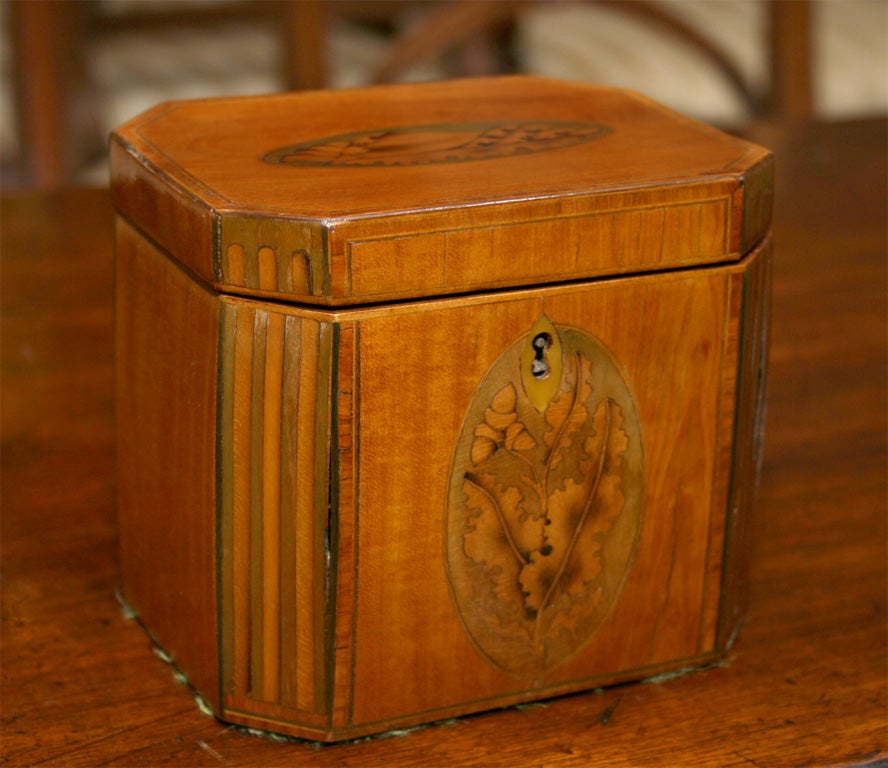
column 546, row 499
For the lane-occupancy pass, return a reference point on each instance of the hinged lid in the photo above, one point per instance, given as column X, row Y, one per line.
column 395, row 192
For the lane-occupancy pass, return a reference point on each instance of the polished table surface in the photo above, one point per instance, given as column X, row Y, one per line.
column 805, row 684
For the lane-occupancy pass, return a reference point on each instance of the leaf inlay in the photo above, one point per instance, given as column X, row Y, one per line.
column 545, row 510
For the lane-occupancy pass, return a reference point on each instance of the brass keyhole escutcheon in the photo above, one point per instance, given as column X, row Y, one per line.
column 542, row 362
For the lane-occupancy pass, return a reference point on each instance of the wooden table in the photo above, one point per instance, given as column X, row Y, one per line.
column 804, row 685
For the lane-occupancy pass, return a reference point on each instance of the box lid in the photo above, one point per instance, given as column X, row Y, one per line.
column 404, row 191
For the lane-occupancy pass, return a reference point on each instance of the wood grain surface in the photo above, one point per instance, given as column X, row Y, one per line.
column 804, row 685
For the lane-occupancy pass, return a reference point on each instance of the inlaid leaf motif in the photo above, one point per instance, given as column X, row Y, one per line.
column 499, row 534
column 566, row 413
column 569, row 562
column 500, row 428
column 545, row 510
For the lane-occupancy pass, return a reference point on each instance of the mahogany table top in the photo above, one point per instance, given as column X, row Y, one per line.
column 805, row 683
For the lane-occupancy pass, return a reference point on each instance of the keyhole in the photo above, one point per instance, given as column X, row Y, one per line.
column 539, row 367
column 541, row 363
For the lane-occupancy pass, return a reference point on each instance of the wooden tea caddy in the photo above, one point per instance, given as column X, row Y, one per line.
column 435, row 398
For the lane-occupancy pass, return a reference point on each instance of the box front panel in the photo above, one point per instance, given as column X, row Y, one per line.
column 273, row 490
column 518, row 533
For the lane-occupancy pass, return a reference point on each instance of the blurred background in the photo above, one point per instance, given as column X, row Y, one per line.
column 73, row 69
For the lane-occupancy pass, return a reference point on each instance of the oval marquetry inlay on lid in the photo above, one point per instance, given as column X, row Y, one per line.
column 433, row 144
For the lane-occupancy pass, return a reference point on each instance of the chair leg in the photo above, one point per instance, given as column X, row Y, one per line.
column 791, row 58
column 50, row 76
column 305, row 24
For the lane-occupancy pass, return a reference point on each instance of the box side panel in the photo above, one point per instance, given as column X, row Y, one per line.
column 748, row 443
column 723, row 454
column 166, row 346
column 458, row 467
column 757, row 203
column 274, row 498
